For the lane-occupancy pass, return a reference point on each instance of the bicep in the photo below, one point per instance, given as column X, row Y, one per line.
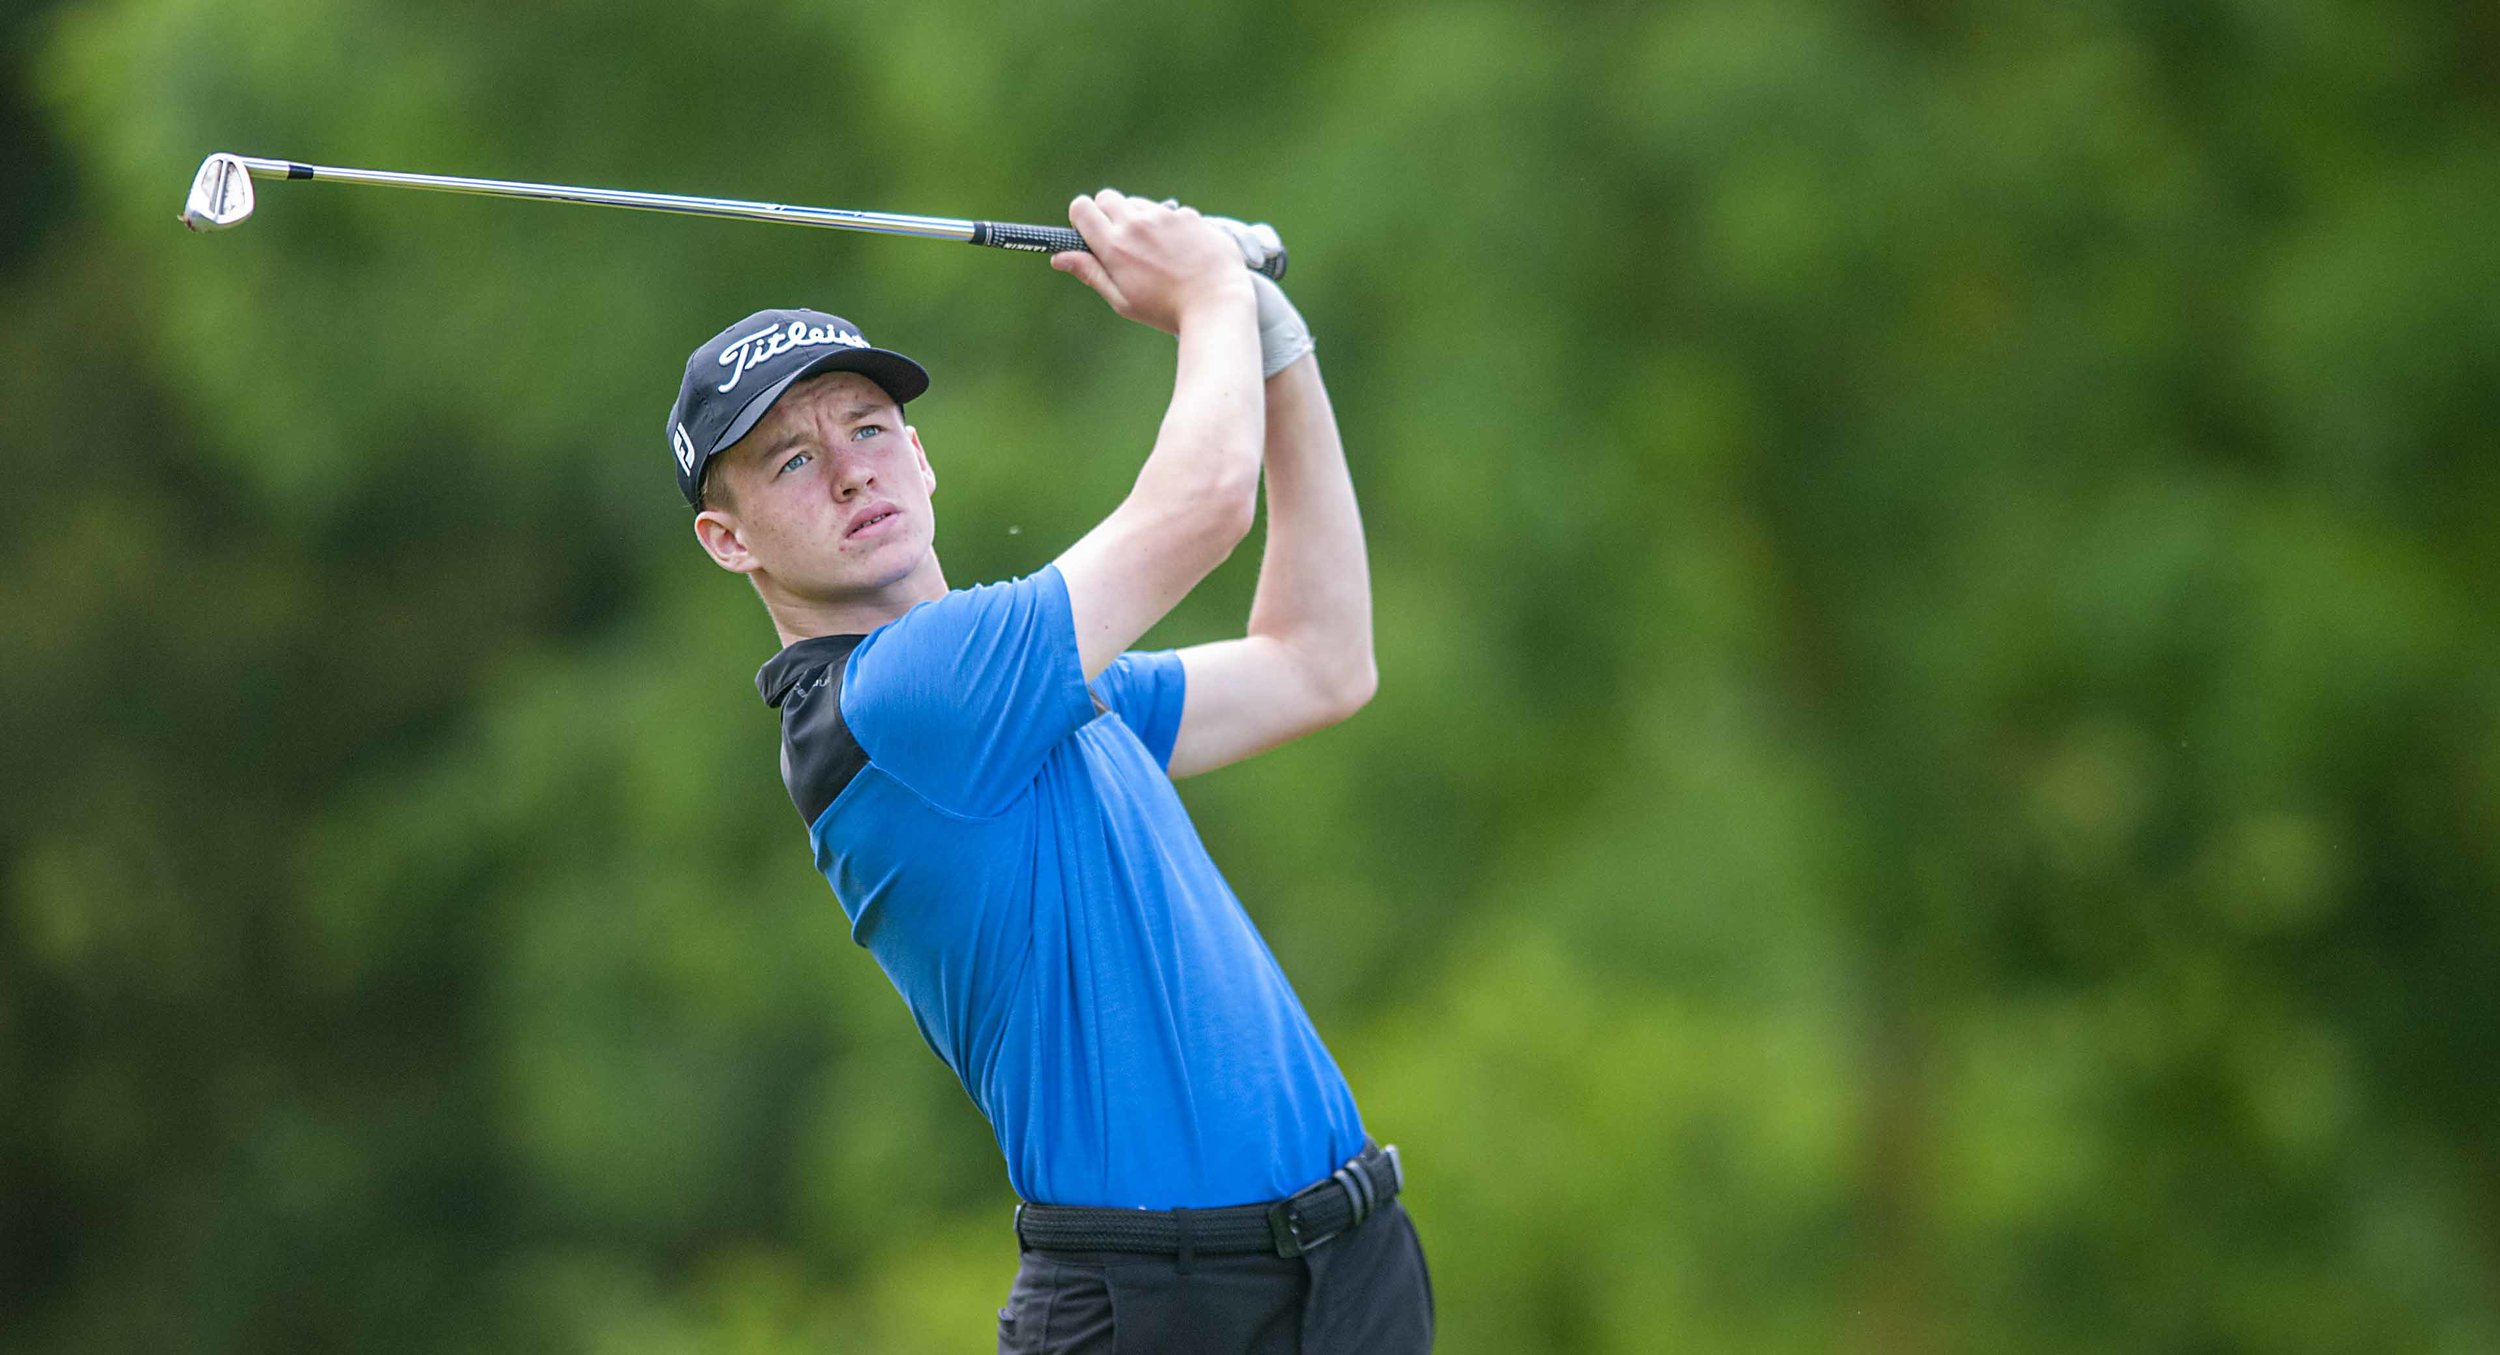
column 1244, row 697
column 1135, row 566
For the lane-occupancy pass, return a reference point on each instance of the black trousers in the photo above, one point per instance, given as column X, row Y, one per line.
column 1365, row 1290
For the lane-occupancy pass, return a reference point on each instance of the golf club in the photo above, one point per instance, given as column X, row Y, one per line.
column 222, row 196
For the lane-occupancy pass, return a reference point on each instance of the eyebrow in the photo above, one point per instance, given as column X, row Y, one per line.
column 852, row 415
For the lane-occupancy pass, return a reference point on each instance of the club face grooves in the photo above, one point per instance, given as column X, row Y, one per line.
column 221, row 194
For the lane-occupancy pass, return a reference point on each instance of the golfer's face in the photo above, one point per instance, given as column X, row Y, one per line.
column 832, row 492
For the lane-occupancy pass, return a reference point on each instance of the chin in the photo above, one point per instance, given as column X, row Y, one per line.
column 869, row 576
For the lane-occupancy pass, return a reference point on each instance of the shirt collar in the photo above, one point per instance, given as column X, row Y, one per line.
column 802, row 659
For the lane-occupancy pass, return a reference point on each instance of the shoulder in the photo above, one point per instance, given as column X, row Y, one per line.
column 981, row 606
column 972, row 651
column 960, row 699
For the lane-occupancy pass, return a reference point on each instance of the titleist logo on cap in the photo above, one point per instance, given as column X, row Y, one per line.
column 766, row 344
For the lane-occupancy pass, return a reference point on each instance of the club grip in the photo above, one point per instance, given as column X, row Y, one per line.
column 1057, row 239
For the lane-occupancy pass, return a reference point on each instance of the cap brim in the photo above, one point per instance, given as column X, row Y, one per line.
column 899, row 376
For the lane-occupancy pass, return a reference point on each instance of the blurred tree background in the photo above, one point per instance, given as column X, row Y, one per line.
column 1936, row 775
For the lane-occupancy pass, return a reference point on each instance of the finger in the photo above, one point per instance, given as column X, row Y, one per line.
column 1089, row 218
column 1087, row 269
column 1124, row 207
column 1083, row 266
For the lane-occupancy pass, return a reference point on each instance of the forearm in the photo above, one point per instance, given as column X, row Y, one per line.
column 1206, row 455
column 1314, row 591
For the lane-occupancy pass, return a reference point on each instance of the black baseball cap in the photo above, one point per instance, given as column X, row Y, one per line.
column 734, row 378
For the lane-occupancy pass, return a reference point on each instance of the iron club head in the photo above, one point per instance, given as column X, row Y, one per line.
column 221, row 194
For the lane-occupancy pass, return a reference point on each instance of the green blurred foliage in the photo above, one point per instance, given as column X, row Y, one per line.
column 1936, row 777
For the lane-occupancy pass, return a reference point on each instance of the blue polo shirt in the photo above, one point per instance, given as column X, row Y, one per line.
column 1007, row 844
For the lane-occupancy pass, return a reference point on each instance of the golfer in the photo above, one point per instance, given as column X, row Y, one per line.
column 986, row 778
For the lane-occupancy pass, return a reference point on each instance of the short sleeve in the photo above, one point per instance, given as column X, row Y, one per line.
column 962, row 698
column 1146, row 689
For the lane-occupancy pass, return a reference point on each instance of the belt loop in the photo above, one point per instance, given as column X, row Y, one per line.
column 1020, row 1247
column 1357, row 1193
column 1188, row 1239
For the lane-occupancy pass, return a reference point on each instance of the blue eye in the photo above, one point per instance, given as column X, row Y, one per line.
column 793, row 463
column 864, row 429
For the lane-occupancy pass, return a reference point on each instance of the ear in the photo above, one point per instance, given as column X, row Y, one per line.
column 718, row 532
column 928, row 473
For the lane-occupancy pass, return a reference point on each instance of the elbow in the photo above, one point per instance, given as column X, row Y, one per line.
column 1223, row 493
column 1233, row 513
column 1223, row 513
column 1196, row 533
column 1350, row 688
column 1364, row 685
column 1201, row 487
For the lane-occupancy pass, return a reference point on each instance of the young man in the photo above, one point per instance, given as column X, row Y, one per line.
column 985, row 778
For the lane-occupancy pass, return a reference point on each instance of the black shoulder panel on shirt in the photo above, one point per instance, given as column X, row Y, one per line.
column 818, row 755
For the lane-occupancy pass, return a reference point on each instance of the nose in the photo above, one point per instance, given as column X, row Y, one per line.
column 852, row 474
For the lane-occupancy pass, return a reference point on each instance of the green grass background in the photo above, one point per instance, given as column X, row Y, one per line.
column 1935, row 779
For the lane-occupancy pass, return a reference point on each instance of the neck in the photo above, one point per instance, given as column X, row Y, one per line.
column 797, row 618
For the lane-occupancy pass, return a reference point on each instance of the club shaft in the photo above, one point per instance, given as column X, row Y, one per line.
column 830, row 218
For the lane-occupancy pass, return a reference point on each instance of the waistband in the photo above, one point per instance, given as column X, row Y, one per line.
column 1308, row 1218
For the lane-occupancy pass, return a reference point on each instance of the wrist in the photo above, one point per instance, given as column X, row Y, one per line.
column 1223, row 300
column 1283, row 338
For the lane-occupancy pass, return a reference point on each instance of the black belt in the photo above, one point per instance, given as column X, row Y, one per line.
column 1289, row 1227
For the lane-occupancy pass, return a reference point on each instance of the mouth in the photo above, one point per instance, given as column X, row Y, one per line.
column 874, row 520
